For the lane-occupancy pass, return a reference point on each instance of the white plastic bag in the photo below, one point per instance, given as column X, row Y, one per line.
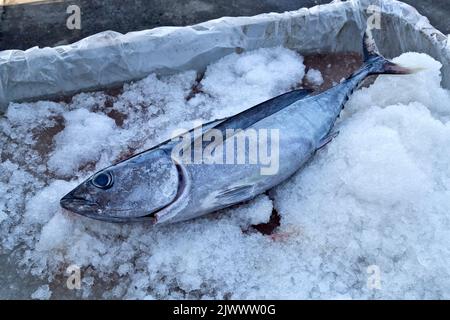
column 110, row 58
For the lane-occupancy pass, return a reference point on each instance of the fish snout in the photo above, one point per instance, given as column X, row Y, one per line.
column 78, row 204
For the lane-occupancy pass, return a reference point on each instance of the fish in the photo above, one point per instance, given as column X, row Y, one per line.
column 161, row 186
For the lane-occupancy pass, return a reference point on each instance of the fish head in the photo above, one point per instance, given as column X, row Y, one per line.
column 131, row 190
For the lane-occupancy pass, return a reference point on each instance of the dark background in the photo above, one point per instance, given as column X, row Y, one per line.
column 44, row 23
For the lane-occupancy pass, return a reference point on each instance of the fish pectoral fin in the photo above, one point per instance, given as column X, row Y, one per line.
column 235, row 194
column 327, row 140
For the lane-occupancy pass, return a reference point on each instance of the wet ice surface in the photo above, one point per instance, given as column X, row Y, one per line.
column 378, row 195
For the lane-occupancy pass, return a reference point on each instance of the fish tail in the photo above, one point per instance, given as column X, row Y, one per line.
column 376, row 63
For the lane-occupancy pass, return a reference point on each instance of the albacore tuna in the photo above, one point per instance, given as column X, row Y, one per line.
column 207, row 169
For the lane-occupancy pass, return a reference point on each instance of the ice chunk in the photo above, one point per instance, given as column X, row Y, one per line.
column 379, row 166
column 3, row 216
column 314, row 77
column 42, row 293
column 241, row 81
column 55, row 233
column 42, row 206
column 82, row 140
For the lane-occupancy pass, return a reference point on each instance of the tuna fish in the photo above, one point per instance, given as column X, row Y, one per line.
column 207, row 169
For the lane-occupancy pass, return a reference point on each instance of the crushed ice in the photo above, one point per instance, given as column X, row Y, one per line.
column 378, row 195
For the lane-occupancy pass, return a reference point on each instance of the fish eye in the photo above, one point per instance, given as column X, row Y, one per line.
column 103, row 180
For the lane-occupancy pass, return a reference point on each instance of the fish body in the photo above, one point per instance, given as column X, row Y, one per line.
column 157, row 185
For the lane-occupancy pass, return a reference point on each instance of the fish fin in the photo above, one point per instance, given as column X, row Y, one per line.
column 211, row 124
column 327, row 140
column 207, row 125
column 370, row 49
column 168, row 144
column 376, row 63
column 248, row 117
column 235, row 194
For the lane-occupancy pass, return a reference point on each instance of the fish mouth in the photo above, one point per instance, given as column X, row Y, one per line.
column 88, row 208
column 78, row 205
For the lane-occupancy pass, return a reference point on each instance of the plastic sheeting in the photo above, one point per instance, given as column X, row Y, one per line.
column 110, row 58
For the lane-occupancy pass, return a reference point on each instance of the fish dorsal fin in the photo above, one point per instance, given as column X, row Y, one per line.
column 169, row 143
column 248, row 117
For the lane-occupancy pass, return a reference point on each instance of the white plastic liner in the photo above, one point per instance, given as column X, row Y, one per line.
column 110, row 58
